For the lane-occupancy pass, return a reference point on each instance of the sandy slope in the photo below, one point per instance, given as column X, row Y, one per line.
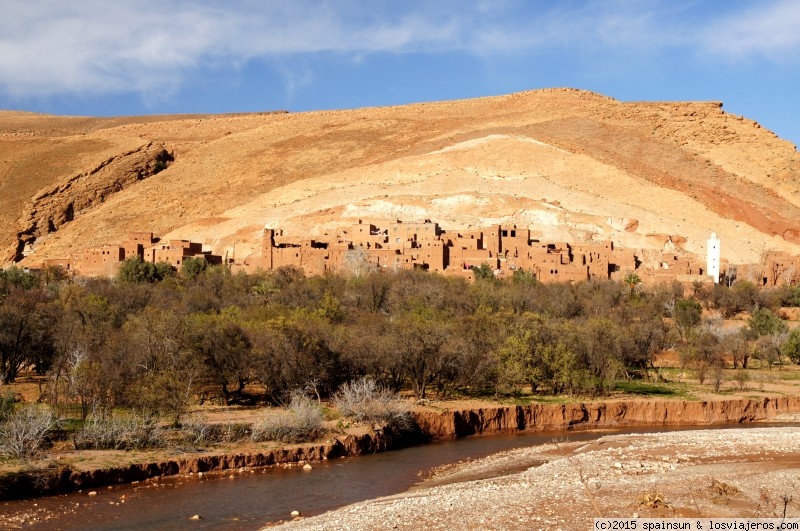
column 570, row 164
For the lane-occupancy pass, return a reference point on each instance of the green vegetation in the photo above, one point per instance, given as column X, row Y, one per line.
column 192, row 267
column 687, row 314
column 632, row 280
column 791, row 347
column 156, row 343
column 137, row 271
column 483, row 272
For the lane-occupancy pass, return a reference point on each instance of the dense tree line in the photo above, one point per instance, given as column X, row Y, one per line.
column 155, row 339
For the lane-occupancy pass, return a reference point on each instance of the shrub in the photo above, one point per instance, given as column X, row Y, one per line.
column 688, row 315
column 365, row 401
column 197, row 431
column 6, row 406
column 791, row 347
column 131, row 432
column 742, row 377
column 137, row 271
column 192, row 267
column 764, row 322
column 301, row 421
column 483, row 272
column 716, row 378
column 24, row 431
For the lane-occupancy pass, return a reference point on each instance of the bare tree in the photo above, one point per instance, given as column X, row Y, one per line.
column 356, row 262
column 788, row 274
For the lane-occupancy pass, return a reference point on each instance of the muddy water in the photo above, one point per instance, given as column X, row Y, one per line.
column 250, row 500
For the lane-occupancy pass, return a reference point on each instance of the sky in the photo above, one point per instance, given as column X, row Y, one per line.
column 134, row 57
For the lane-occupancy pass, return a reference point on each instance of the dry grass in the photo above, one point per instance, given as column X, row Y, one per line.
column 366, row 402
column 301, row 421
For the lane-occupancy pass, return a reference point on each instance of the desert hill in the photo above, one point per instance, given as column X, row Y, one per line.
column 573, row 165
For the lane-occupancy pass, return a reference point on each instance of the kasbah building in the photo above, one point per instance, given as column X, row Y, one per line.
column 424, row 245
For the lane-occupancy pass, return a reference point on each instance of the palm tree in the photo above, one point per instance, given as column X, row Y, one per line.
column 632, row 280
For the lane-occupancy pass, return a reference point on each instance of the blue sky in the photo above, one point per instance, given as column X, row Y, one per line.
column 120, row 57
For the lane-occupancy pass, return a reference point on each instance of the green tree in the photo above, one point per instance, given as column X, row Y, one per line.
column 191, row 267
column 706, row 354
column 162, row 369
column 791, row 347
column 298, row 349
column 91, row 367
column 137, row 271
column 24, row 333
column 764, row 322
column 523, row 277
column 602, row 339
column 163, row 270
column 519, row 356
column 471, row 348
column 687, row 314
column 632, row 280
column 646, row 338
column 483, row 272
column 15, row 277
column 419, row 336
column 224, row 346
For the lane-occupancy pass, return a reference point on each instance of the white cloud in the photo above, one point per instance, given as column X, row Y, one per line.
column 143, row 45
column 772, row 30
column 152, row 47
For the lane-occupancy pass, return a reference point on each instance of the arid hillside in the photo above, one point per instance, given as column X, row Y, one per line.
column 572, row 165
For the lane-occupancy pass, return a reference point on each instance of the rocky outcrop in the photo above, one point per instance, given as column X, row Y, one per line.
column 432, row 425
column 56, row 205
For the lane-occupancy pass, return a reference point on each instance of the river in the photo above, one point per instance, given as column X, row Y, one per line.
column 252, row 499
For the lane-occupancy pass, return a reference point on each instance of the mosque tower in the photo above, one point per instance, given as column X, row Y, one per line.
column 712, row 263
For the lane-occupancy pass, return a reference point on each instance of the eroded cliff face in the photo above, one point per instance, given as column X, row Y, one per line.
column 54, row 206
column 432, row 425
column 463, row 423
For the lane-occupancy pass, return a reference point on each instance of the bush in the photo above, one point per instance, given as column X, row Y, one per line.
column 192, row 267
column 137, row 271
column 24, row 431
column 6, row 406
column 197, row 431
column 132, row 432
column 300, row 422
column 367, row 402
column 742, row 377
column 791, row 347
column 483, row 272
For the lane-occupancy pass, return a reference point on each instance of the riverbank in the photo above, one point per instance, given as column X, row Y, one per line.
column 71, row 471
column 706, row 473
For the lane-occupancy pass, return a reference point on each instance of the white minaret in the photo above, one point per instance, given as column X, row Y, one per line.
column 712, row 264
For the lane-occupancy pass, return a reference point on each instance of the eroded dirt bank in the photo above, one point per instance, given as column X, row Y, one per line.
column 433, row 425
column 455, row 423
column 46, row 481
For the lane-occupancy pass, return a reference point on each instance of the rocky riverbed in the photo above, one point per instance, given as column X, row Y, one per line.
column 708, row 473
